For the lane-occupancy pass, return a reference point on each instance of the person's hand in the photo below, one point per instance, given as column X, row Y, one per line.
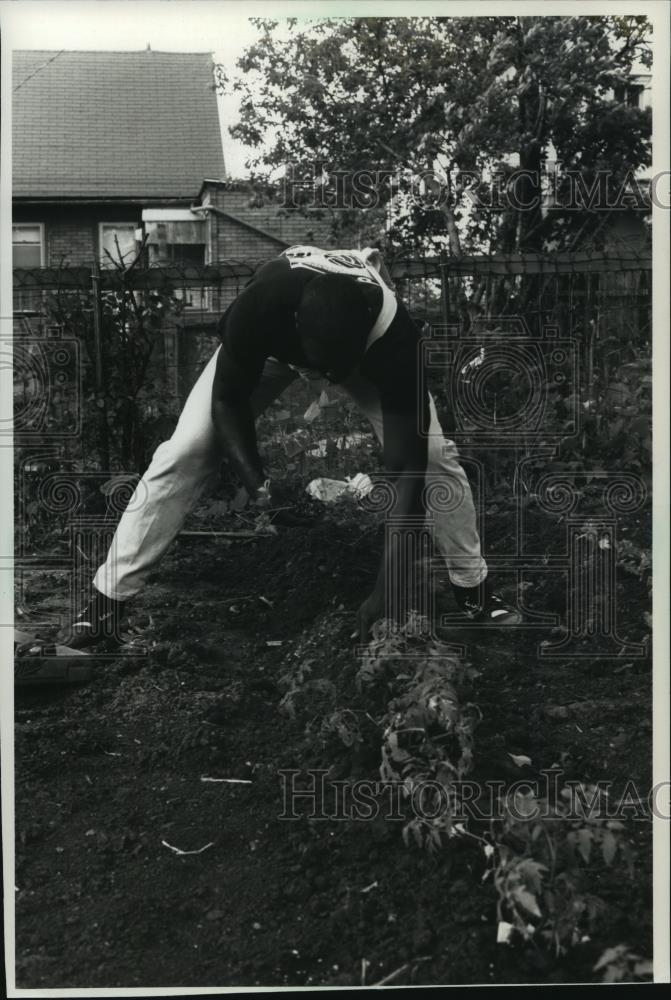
column 281, row 508
column 370, row 611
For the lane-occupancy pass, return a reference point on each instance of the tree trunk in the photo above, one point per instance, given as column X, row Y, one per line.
column 452, row 232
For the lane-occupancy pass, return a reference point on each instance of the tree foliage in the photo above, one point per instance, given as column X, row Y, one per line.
column 130, row 412
column 359, row 110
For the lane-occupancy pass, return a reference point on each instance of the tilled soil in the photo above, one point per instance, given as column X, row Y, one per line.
column 110, row 781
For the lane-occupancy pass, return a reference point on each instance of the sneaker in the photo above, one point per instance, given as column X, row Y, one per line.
column 481, row 605
column 99, row 622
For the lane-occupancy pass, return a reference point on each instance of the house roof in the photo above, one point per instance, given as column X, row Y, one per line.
column 114, row 124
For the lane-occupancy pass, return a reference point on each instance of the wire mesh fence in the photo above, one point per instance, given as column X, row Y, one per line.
column 120, row 348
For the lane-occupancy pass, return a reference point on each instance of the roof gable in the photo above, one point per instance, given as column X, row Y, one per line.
column 269, row 219
column 114, row 124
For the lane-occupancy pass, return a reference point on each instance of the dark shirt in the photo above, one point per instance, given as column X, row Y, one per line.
column 261, row 323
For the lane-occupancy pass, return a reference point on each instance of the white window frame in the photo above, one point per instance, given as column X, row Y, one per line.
column 104, row 259
column 32, row 225
column 29, row 300
column 170, row 215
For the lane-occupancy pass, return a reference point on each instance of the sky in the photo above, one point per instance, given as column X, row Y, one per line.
column 209, row 26
column 218, row 26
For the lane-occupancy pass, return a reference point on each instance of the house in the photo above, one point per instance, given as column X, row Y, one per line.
column 111, row 146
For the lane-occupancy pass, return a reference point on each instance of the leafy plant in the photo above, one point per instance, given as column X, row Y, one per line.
column 620, row 964
column 304, row 693
column 542, row 856
column 343, row 723
column 129, row 414
column 427, row 734
column 634, row 559
column 397, row 649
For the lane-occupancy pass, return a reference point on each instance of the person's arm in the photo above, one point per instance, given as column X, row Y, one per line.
column 404, row 411
column 233, row 418
column 374, row 257
column 405, row 460
column 235, row 430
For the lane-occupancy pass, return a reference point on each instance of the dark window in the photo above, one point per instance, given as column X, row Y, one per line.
column 186, row 254
column 629, row 94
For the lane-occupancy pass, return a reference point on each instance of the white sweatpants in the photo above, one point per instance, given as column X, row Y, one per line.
column 182, row 466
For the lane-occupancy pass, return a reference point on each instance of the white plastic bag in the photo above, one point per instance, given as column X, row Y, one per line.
column 328, row 490
column 361, row 484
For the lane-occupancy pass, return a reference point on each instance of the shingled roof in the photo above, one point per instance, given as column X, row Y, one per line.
column 114, row 124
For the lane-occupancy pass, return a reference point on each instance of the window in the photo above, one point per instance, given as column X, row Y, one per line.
column 178, row 242
column 188, row 255
column 629, row 94
column 177, row 237
column 28, row 252
column 28, row 245
column 117, row 239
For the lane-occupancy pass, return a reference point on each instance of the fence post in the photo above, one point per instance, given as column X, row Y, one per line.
column 101, row 401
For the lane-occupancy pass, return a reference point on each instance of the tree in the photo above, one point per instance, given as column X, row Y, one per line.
column 132, row 405
column 404, row 129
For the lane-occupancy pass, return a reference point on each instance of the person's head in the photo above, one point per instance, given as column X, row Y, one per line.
column 333, row 322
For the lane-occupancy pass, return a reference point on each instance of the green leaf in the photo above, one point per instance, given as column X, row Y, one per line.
column 312, row 412
column 532, row 872
column 520, row 760
column 584, row 841
column 610, row 955
column 525, row 804
column 608, row 846
column 526, row 900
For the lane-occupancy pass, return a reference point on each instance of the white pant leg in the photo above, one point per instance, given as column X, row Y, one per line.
column 449, row 494
column 179, row 470
column 178, row 473
column 450, row 501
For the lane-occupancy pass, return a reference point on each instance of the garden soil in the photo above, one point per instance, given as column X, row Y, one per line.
column 132, row 870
